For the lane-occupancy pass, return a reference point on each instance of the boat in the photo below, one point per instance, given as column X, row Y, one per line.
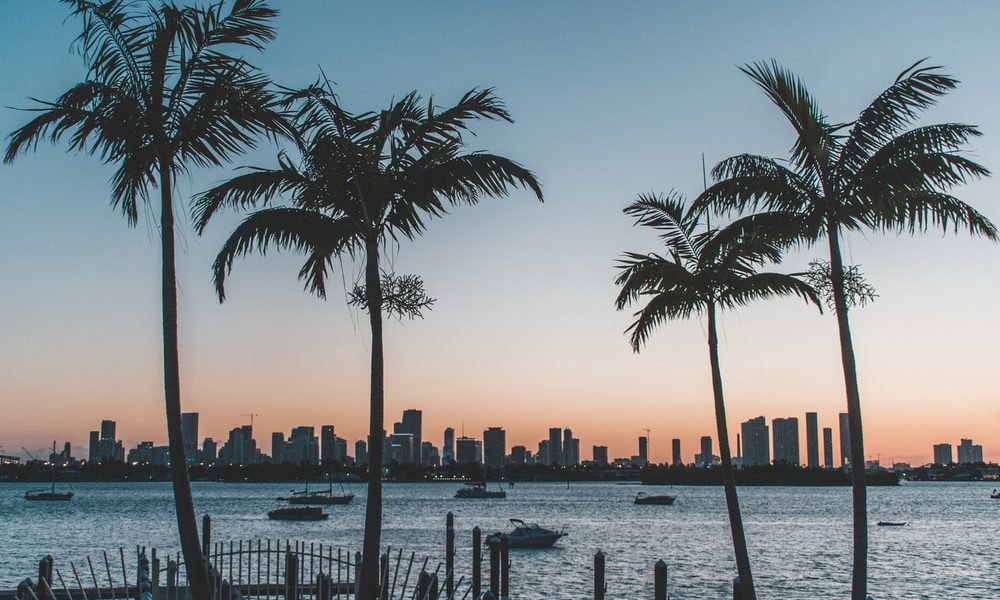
column 50, row 495
column 995, row 495
column 298, row 513
column 891, row 523
column 528, row 535
column 479, row 491
column 325, row 498
column 642, row 498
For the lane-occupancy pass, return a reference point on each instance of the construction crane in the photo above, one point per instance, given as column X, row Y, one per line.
column 251, row 415
column 28, row 452
column 648, row 431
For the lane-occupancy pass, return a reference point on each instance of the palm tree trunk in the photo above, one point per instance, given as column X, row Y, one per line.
column 376, row 431
column 859, row 577
column 728, row 478
column 187, row 523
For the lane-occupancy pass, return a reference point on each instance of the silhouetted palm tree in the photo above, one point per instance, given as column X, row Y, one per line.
column 161, row 95
column 705, row 270
column 362, row 181
column 873, row 174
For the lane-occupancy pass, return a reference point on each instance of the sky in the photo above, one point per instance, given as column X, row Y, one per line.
column 610, row 101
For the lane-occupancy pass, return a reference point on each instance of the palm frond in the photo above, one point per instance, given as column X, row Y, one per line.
column 764, row 286
column 751, row 182
column 666, row 214
column 678, row 303
column 641, row 274
column 918, row 211
column 255, row 188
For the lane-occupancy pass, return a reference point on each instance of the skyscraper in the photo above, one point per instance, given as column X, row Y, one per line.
column 209, row 451
column 360, row 452
column 108, row 429
column 327, row 444
column 94, row 451
column 303, row 446
column 704, row 458
column 448, row 449
column 555, row 446
column 468, row 451
column 279, row 450
column 495, row 447
column 968, row 453
column 189, row 433
column 786, row 440
column 942, row 454
column 403, row 449
column 845, row 440
column 569, row 458
column 828, row 447
column 756, row 445
column 676, row 447
column 544, row 458
column 601, row 455
column 643, row 450
column 812, row 439
column 413, row 424
column 518, row 455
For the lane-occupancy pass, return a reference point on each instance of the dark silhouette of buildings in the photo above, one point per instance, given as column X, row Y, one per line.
column 448, row 449
column 412, row 424
column 600, row 455
column 812, row 439
column 495, row 447
column 786, row 440
column 845, row 440
column 828, row 447
column 756, row 442
column 189, row 433
column 675, row 446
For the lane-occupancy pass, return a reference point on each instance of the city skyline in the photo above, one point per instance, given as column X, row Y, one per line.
column 100, row 353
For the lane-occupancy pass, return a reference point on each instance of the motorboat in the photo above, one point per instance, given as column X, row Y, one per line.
column 479, row 491
column 643, row 498
column 891, row 523
column 325, row 497
column 303, row 513
column 527, row 535
column 995, row 495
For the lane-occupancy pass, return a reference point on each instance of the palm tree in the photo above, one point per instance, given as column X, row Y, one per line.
column 705, row 270
column 874, row 174
column 363, row 181
column 160, row 96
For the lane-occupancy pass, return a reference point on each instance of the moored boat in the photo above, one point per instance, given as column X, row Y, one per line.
column 324, row 497
column 643, row 498
column 891, row 523
column 528, row 535
column 48, row 496
column 479, row 491
column 304, row 513
column 995, row 495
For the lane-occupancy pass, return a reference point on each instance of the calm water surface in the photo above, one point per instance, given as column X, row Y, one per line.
column 799, row 537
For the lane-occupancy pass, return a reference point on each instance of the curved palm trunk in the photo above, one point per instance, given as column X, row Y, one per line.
column 859, row 577
column 373, row 508
column 187, row 523
column 728, row 479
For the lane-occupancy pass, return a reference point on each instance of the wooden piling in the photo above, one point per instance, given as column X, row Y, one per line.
column 599, row 587
column 477, row 562
column 206, row 535
column 494, row 545
column 357, row 574
column 449, row 557
column 504, row 567
column 45, row 571
column 660, row 580
column 737, row 589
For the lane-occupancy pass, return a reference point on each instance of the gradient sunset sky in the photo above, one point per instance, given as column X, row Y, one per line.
column 610, row 100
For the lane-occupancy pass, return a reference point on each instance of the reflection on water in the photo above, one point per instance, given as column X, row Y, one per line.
column 799, row 537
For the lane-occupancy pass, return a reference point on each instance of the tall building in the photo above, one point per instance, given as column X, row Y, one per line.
column 240, row 448
column 327, row 444
column 969, row 454
column 279, row 449
column 845, row 439
column 209, row 451
column 601, row 455
column 106, row 448
column 494, row 447
column 677, row 459
column 756, row 445
column 468, row 451
column 812, row 439
column 429, row 455
column 575, row 447
column 643, row 450
column 828, row 447
column 448, row 449
column 360, row 452
column 544, row 458
column 403, row 449
column 303, row 446
column 518, row 455
column 413, row 424
column 189, row 433
column 704, row 458
column 786, row 440
column 94, row 450
column 555, row 446
column 570, row 449
column 942, row 454
column 108, row 429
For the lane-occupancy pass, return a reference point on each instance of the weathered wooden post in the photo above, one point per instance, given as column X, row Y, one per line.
column 433, row 590
column 737, row 589
column 156, row 576
column 291, row 575
column 660, row 580
column 324, row 586
column 171, row 579
column 494, row 543
column 489, row 596
column 599, row 587
column 504, row 567
column 143, row 585
column 477, row 562
column 384, row 577
column 357, row 574
column 423, row 585
column 206, row 535
column 45, row 571
column 24, row 591
column 449, row 557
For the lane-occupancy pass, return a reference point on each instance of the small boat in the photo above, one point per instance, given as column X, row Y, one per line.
column 642, row 498
column 995, row 495
column 324, row 498
column 891, row 523
column 305, row 513
column 50, row 495
column 528, row 535
column 479, row 491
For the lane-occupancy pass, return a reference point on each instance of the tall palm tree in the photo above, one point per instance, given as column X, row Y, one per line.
column 363, row 181
column 162, row 95
column 874, row 174
column 705, row 270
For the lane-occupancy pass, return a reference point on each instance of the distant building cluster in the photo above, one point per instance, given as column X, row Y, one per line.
column 968, row 453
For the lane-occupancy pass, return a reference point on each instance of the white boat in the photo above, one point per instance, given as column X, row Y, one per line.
column 995, row 495
column 664, row 500
column 528, row 535
column 479, row 491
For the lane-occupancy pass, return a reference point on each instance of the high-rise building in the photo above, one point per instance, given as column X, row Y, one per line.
column 94, row 451
column 403, row 449
column 327, row 444
column 571, row 457
column 360, row 452
column 279, row 449
column 812, row 439
column 704, row 458
column 240, row 448
column 189, row 433
column 676, row 459
column 494, row 447
column 942, row 454
column 543, row 456
column 969, row 454
column 448, row 450
column 429, row 455
column 209, row 451
column 756, row 442
column 518, row 455
column 575, row 447
column 108, row 448
column 845, row 439
column 468, row 451
column 601, row 455
column 643, row 451
column 828, row 447
column 413, row 424
column 303, row 446
column 555, row 446
column 108, row 428
column 786, row 440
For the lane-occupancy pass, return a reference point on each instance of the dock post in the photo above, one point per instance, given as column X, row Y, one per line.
column 291, row 575
column 171, row 579
column 45, row 571
column 504, row 567
column 433, row 592
column 206, row 535
column 737, row 589
column 384, row 576
column 477, row 562
column 494, row 544
column 423, row 586
column 324, row 587
column 660, row 580
column 599, row 587
column 156, row 576
column 357, row 574
column 489, row 596
column 24, row 591
column 449, row 557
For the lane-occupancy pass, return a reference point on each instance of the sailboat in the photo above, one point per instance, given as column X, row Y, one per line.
column 325, row 497
column 49, row 495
